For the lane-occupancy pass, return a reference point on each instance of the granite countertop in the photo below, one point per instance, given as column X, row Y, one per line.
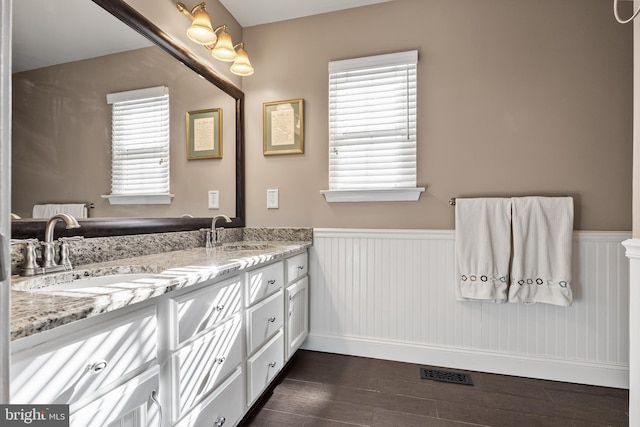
column 34, row 310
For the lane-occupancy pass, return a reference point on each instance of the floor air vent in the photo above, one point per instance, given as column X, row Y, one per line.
column 445, row 376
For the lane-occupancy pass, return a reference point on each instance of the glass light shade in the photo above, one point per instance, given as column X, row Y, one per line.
column 241, row 66
column 200, row 30
column 224, row 50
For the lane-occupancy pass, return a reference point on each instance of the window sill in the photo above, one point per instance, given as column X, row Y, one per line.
column 390, row 195
column 139, row 199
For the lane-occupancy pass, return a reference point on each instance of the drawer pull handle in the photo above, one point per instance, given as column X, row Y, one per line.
column 98, row 366
column 220, row 421
column 272, row 364
column 271, row 282
column 220, row 307
column 221, row 360
column 272, row 319
column 154, row 400
column 301, row 267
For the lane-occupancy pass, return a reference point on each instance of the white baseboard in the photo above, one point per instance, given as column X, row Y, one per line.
column 605, row 375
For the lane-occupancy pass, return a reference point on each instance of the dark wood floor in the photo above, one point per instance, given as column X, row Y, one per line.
column 329, row 390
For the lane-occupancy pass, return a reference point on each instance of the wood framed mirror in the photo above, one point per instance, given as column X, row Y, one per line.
column 96, row 227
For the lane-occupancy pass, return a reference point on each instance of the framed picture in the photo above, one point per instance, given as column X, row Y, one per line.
column 204, row 134
column 283, row 127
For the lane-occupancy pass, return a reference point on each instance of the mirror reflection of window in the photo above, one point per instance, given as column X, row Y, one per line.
column 140, row 146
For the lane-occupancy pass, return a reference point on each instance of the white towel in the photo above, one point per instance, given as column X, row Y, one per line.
column 542, row 244
column 483, row 248
column 77, row 210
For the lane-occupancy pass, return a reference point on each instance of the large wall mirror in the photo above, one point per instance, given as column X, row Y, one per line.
column 61, row 142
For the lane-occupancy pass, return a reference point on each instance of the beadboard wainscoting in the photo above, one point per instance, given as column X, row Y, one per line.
column 390, row 294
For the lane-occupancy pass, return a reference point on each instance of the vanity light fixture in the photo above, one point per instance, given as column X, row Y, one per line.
column 241, row 66
column 218, row 40
column 224, row 50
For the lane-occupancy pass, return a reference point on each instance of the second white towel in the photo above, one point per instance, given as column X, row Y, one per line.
column 542, row 246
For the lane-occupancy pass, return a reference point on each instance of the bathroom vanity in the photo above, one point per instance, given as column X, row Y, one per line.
column 184, row 338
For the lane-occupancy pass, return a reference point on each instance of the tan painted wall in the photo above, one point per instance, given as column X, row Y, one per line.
column 62, row 135
column 516, row 97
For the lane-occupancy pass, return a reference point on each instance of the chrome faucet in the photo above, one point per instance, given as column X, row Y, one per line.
column 48, row 252
column 216, row 231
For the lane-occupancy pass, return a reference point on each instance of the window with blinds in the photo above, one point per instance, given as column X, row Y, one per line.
column 140, row 146
column 372, row 124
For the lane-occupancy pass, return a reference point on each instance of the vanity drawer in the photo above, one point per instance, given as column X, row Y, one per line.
column 264, row 281
column 264, row 320
column 263, row 366
column 296, row 266
column 224, row 406
column 199, row 310
column 66, row 367
column 200, row 365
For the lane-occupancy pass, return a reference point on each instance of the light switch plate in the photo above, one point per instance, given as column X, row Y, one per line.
column 214, row 199
column 272, row 198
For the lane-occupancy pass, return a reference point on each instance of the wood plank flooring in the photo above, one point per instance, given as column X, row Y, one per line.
column 329, row 390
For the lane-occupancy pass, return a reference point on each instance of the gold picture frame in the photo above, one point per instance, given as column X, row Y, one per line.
column 204, row 134
column 283, row 127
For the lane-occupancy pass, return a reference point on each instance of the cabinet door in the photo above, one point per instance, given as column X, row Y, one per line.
column 67, row 368
column 297, row 329
column 133, row 404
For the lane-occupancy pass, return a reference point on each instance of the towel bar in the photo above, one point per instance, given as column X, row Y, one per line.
column 452, row 201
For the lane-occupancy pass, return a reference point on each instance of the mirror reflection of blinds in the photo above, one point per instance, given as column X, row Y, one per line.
column 140, row 142
column 372, row 122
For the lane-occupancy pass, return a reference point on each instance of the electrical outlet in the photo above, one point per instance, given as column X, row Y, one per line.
column 272, row 199
column 214, row 199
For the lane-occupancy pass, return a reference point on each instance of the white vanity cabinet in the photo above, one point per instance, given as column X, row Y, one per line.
column 92, row 363
column 196, row 356
column 296, row 302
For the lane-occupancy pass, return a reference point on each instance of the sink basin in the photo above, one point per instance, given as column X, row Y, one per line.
column 92, row 282
column 246, row 247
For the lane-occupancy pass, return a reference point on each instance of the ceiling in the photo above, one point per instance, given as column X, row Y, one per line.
column 65, row 34
column 44, row 33
column 255, row 12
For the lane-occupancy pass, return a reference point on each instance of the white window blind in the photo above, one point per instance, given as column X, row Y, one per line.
column 372, row 122
column 140, row 146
